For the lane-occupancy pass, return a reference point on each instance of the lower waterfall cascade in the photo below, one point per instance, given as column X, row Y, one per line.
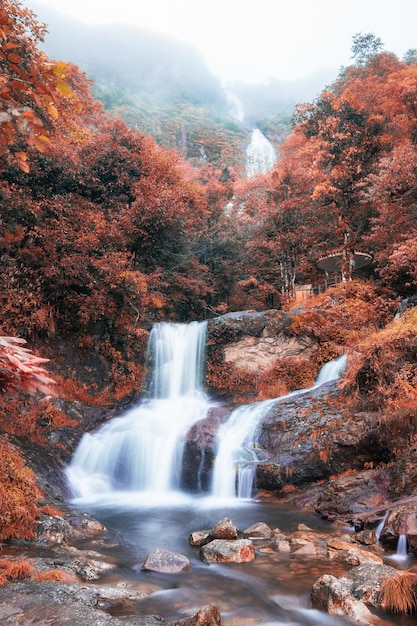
column 141, row 451
column 236, row 459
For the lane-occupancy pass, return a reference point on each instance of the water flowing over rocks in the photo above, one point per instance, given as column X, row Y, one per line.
column 401, row 521
column 224, row 551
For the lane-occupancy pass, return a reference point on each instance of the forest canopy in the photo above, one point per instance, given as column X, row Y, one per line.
column 103, row 232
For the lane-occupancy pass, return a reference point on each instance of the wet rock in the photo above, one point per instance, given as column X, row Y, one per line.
column 199, row 537
column 281, row 545
column 259, row 530
column 308, row 549
column 88, row 569
column 62, row 604
column 224, row 551
column 225, row 529
column 166, row 562
column 353, row 594
column 198, row 453
column 207, row 616
column 84, row 525
column 350, row 553
column 366, row 537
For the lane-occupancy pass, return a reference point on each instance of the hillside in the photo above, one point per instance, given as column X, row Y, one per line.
column 163, row 88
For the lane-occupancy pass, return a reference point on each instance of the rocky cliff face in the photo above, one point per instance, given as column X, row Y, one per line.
column 254, row 340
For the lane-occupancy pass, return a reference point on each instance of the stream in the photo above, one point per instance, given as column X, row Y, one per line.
column 272, row 589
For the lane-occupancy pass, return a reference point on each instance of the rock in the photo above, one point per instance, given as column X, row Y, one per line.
column 350, row 553
column 353, row 494
column 259, row 530
column 199, row 537
column 49, row 602
column 166, row 562
column 53, row 530
column 356, row 556
column 404, row 476
column 207, row 616
column 224, row 551
column 308, row 549
column 353, row 593
column 225, row 529
column 330, row 595
column 282, row 546
column 366, row 537
column 89, row 569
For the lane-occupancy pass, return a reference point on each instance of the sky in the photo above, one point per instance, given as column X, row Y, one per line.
column 254, row 40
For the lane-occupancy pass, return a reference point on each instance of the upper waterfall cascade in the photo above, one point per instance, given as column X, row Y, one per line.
column 142, row 450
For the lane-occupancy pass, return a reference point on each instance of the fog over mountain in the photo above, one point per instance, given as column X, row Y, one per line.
column 139, row 60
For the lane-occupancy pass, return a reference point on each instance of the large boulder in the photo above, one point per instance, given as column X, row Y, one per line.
column 354, row 593
column 307, row 439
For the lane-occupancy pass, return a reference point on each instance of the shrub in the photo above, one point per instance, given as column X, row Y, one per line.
column 399, row 592
column 19, row 495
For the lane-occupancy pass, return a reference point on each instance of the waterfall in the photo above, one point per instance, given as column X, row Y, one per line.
column 380, row 526
column 142, row 450
column 260, row 155
column 402, row 549
column 236, row 459
column 235, row 106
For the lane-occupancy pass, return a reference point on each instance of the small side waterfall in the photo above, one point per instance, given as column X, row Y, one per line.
column 142, row 450
column 402, row 548
column 236, row 458
column 260, row 155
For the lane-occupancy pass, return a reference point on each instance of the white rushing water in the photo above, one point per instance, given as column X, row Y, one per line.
column 260, row 155
column 236, row 458
column 142, row 450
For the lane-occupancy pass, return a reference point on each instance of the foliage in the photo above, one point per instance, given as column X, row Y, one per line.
column 12, row 569
column 382, row 376
column 20, row 369
column 365, row 46
column 19, row 495
column 399, row 592
column 344, row 315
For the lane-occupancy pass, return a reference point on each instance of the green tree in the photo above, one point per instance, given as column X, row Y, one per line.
column 364, row 47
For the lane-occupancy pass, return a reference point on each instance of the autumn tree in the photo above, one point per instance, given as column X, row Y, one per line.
column 29, row 88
